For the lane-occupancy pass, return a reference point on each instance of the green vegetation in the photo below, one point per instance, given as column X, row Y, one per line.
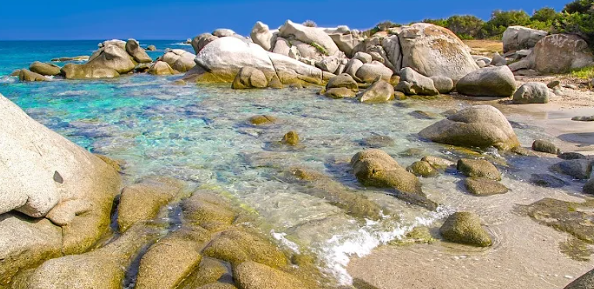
column 577, row 18
column 320, row 48
column 584, row 73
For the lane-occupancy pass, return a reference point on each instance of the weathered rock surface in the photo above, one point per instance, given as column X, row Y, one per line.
column 465, row 228
column 547, row 181
column 48, row 69
column 369, row 72
column 413, row 83
column 586, row 281
column 342, row 80
column 291, row 138
column 161, row 68
column 560, row 53
column 249, row 77
column 478, row 169
column 375, row 168
column 309, row 35
column 52, row 177
column 202, row 40
column 545, row 146
column 520, row 37
column 109, row 61
column 478, row 126
column 380, row 91
column 262, row 35
column 496, row 81
column 443, row 84
column 422, row 169
column 532, row 92
column 142, row 201
column 133, row 48
column 29, row 76
column 179, row 59
column 577, row 169
column 432, row 50
column 252, row 275
column 484, row 187
column 84, row 71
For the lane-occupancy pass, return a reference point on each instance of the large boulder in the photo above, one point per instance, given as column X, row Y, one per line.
column 346, row 43
column 477, row 126
column 262, row 36
column 560, row 53
column 179, row 59
column 309, row 35
column 532, row 92
column 432, row 50
column 133, row 48
column 202, row 40
column 48, row 176
column 520, row 37
column 391, row 46
column 496, row 81
column 83, row 71
column 290, row 70
column 413, row 83
column 109, row 61
column 380, row 91
column 48, row 69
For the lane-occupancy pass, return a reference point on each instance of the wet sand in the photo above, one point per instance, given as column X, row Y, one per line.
column 525, row 254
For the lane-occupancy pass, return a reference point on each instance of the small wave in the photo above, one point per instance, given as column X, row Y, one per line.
column 181, row 44
column 340, row 248
column 73, row 93
column 284, row 241
column 8, row 79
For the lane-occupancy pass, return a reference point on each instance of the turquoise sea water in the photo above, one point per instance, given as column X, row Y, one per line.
column 200, row 134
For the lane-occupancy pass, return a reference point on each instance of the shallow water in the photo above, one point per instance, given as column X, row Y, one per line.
column 200, row 134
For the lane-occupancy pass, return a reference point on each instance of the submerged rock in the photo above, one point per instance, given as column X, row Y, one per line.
column 291, row 138
column 577, row 169
column 465, row 228
column 478, row 126
column 573, row 218
column 571, row 156
column 495, row 81
column 478, row 169
column 484, row 187
column 377, row 141
column 262, row 119
column 547, row 181
column 422, row 169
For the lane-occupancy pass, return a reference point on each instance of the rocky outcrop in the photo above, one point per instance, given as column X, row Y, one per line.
column 477, row 126
column 84, row 71
column 109, row 61
column 346, row 42
column 432, row 50
column 262, row 36
column 254, row 275
column 413, row 83
column 496, row 81
column 375, row 168
column 309, row 35
column 49, row 177
column 249, row 77
column 531, row 92
column 380, row 91
column 465, row 228
column 161, row 68
column 180, row 60
column 133, row 48
column 47, row 69
column 560, row 53
column 520, row 37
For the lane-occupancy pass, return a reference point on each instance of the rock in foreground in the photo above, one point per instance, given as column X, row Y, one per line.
column 477, row 126
column 495, row 81
column 465, row 228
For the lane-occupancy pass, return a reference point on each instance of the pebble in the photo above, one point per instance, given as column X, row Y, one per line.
column 568, row 277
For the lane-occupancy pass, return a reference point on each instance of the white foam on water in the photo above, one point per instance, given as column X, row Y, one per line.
column 181, row 43
column 8, row 79
column 340, row 248
column 281, row 237
column 73, row 93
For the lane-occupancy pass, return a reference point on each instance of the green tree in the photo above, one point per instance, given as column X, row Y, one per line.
column 500, row 20
column 577, row 18
column 466, row 26
column 544, row 15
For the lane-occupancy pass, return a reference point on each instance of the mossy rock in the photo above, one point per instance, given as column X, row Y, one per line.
column 168, row 262
column 339, row 92
column 422, row 169
column 478, row 169
column 237, row 245
column 142, row 201
column 291, row 138
column 437, row 162
column 115, row 164
column 377, row 141
column 209, row 271
column 544, row 146
column 217, row 285
column 565, row 216
column 252, row 275
column 262, row 120
column 484, row 187
column 586, row 281
column 208, row 210
column 465, row 228
column 322, row 186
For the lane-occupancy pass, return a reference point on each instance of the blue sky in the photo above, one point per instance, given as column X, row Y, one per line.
column 162, row 19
